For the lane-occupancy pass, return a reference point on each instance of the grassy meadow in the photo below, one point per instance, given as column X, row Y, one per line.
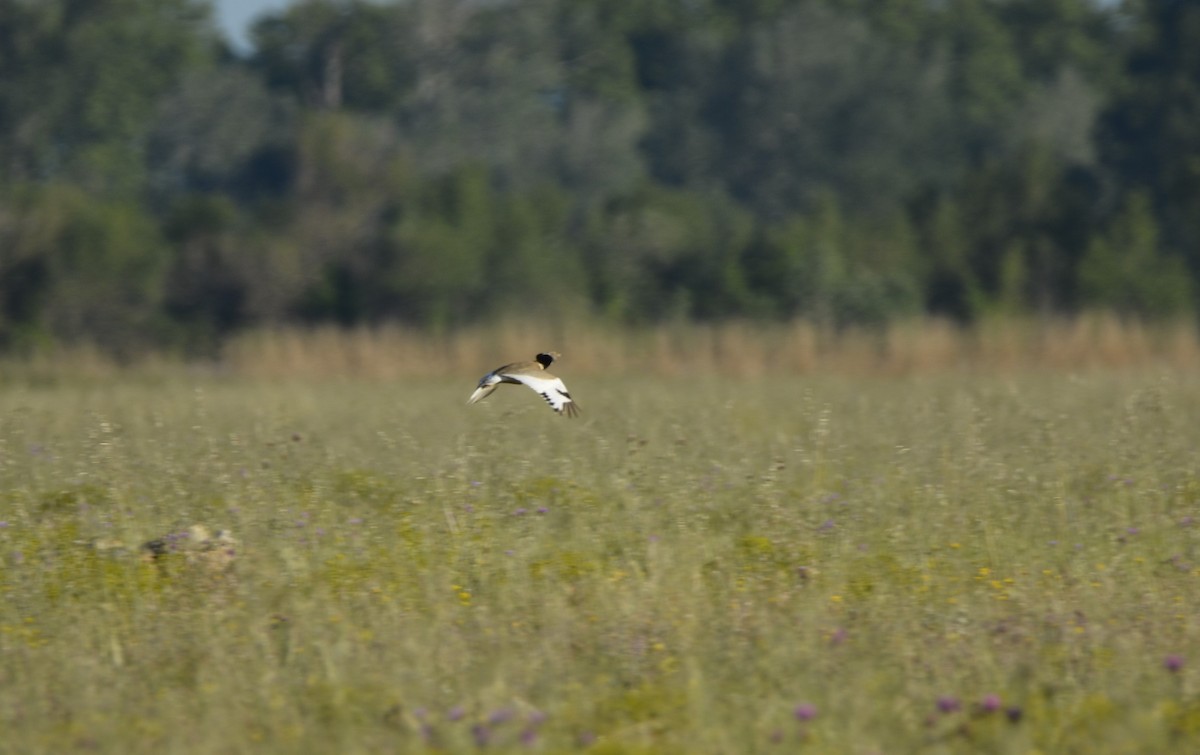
column 864, row 561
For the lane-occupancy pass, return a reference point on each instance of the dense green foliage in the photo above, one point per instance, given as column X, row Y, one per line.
column 439, row 162
column 940, row 565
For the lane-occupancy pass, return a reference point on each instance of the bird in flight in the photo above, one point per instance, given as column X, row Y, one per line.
column 534, row 375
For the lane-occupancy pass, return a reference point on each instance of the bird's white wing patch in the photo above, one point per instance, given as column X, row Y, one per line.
column 552, row 390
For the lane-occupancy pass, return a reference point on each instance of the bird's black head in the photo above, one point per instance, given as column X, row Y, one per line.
column 546, row 359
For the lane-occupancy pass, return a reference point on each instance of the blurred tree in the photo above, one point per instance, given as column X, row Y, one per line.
column 1149, row 132
column 440, row 161
column 818, row 103
column 1126, row 271
column 77, row 268
column 212, row 283
column 1058, row 116
column 220, row 131
column 1050, row 36
column 668, row 254
column 437, row 248
column 984, row 75
column 335, row 53
column 532, row 266
column 826, row 269
column 81, row 82
column 947, row 278
column 350, row 184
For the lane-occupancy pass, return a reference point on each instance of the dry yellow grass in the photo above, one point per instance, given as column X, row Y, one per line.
column 731, row 349
column 736, row 349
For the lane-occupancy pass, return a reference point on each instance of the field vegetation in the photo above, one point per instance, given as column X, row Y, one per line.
column 837, row 559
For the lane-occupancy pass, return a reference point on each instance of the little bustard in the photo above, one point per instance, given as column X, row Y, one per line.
column 532, row 374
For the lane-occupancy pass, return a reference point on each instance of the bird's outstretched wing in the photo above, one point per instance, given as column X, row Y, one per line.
column 483, row 391
column 550, row 388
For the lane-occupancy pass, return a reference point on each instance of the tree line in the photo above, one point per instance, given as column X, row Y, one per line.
column 440, row 162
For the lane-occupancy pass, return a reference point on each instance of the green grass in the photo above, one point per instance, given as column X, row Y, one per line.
column 675, row 572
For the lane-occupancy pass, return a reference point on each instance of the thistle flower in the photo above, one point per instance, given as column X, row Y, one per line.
column 1173, row 663
column 805, row 712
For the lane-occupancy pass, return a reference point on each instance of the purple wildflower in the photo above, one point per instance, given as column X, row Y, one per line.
column 1014, row 713
column 1173, row 663
column 805, row 712
column 948, row 704
column 456, row 713
column 481, row 735
column 500, row 716
column 990, row 703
